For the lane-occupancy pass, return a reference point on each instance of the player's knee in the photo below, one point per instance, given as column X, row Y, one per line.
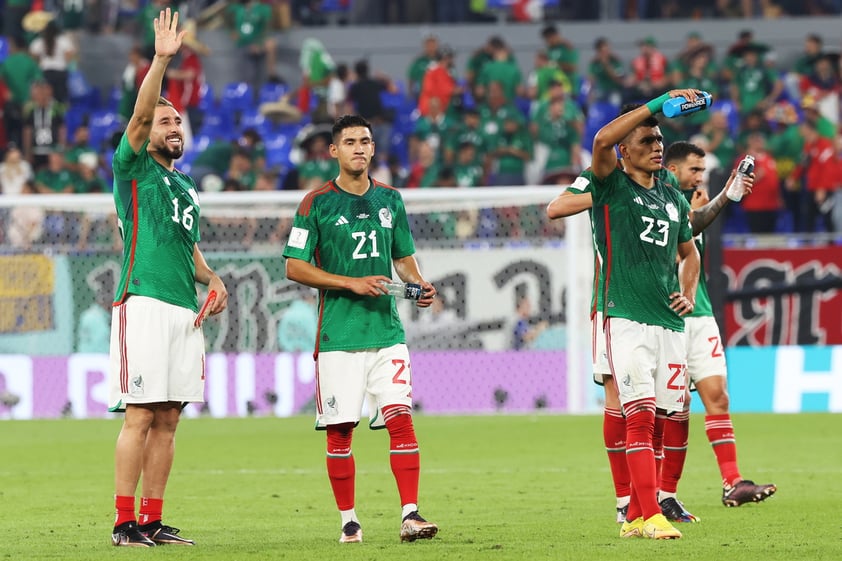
column 339, row 438
column 718, row 403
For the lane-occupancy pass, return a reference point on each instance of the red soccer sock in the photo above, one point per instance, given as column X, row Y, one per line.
column 125, row 509
column 676, row 434
column 614, row 436
column 150, row 510
column 403, row 452
column 640, row 430
column 720, row 433
column 341, row 469
column 658, row 446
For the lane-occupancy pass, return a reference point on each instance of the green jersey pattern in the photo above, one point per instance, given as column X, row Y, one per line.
column 158, row 214
column 355, row 236
column 637, row 231
column 703, row 307
column 584, row 184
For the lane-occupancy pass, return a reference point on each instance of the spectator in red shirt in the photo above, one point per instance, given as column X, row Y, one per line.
column 765, row 201
column 819, row 175
column 438, row 82
column 649, row 70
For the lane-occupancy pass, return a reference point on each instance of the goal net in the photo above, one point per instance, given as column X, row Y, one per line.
column 509, row 331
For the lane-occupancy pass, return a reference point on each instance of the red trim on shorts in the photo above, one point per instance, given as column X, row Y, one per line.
column 607, row 325
column 134, row 245
column 593, row 338
column 318, row 392
column 124, row 361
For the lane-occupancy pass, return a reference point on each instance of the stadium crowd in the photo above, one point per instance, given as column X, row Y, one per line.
column 484, row 122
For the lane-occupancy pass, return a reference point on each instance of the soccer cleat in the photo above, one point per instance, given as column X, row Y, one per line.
column 674, row 510
column 128, row 535
column 746, row 491
column 633, row 529
column 657, row 527
column 352, row 532
column 621, row 514
column 414, row 527
column 161, row 534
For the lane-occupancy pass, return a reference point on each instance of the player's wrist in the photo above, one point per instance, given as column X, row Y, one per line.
column 655, row 105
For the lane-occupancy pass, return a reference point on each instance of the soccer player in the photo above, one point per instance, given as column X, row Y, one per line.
column 640, row 224
column 157, row 354
column 706, row 366
column 346, row 237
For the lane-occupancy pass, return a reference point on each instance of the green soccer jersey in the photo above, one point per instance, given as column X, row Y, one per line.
column 637, row 231
column 158, row 215
column 703, row 307
column 355, row 236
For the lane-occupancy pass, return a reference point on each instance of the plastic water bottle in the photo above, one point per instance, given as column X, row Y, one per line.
column 676, row 106
column 409, row 290
column 737, row 188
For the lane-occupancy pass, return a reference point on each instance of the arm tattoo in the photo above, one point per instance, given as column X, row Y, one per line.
column 702, row 217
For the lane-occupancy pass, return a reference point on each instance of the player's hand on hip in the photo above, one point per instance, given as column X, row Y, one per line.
column 369, row 286
column 221, row 302
column 681, row 304
column 167, row 36
column 428, row 294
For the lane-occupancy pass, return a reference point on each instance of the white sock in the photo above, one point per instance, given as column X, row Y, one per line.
column 348, row 516
column 408, row 509
column 664, row 495
column 623, row 502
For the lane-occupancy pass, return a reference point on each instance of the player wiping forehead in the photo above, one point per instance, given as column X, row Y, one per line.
column 640, row 224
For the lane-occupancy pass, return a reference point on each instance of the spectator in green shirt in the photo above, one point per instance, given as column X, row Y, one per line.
column 18, row 71
column 146, row 17
column 754, row 85
column 501, row 68
column 607, row 73
column 252, row 20
column 55, row 178
column 562, row 53
column 318, row 168
column 43, row 124
column 429, row 55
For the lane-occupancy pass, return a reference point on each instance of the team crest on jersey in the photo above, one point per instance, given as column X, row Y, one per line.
column 385, row 218
column 672, row 212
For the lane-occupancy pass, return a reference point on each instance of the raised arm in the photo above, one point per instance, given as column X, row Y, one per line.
column 568, row 204
column 167, row 42
column 704, row 212
column 604, row 156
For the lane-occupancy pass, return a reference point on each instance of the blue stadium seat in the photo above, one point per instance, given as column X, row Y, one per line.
column 252, row 119
column 237, row 96
column 727, row 106
column 207, row 101
column 74, row 117
column 102, row 125
column 271, row 92
column 218, row 123
column 278, row 147
column 4, row 48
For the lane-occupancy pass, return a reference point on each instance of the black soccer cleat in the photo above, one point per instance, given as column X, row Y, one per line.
column 127, row 534
column 352, row 532
column 746, row 491
column 674, row 510
column 161, row 534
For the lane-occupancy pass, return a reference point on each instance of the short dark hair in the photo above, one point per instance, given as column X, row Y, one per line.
column 650, row 121
column 678, row 152
column 347, row 122
column 361, row 68
column 549, row 31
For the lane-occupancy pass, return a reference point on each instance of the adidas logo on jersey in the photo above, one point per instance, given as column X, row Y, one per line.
column 342, row 220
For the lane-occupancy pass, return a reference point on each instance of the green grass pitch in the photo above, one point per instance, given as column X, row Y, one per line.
column 500, row 487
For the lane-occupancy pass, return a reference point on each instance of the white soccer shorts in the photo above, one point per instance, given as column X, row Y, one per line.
column 156, row 354
column 705, row 353
column 346, row 380
column 647, row 361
